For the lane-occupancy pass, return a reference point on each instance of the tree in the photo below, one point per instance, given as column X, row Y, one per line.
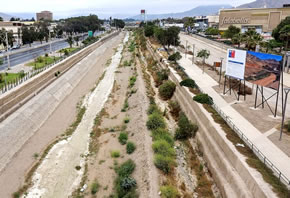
column 1, row 63
column 149, row 30
column 77, row 39
column 28, row 35
column 238, row 39
column 252, row 39
column 212, row 31
column 118, row 23
column 231, row 31
column 188, row 22
column 1, row 19
column 276, row 31
column 3, row 37
column 70, row 41
column 285, row 35
column 203, row 54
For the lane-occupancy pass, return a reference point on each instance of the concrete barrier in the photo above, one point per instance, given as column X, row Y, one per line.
column 228, row 167
column 12, row 100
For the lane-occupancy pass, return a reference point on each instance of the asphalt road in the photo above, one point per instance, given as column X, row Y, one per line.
column 21, row 57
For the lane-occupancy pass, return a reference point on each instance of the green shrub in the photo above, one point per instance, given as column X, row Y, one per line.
column 40, row 59
column 123, row 137
column 162, row 134
column 153, row 108
column 175, row 57
column 174, row 108
column 203, row 99
column 155, row 121
column 169, row 192
column 115, row 154
column 132, row 81
column 185, row 128
column 162, row 147
column 126, row 120
column 125, row 106
column 130, row 147
column 126, row 169
column 95, row 188
column 161, row 76
column 166, row 90
column 66, row 52
column 128, row 183
column 164, row 163
column 188, row 83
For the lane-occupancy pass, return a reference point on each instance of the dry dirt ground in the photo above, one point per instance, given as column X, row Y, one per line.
column 59, row 121
column 100, row 164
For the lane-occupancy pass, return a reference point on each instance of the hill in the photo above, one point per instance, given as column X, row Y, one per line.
column 5, row 17
column 198, row 11
column 265, row 4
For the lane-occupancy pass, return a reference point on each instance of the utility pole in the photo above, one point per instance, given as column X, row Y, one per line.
column 50, row 50
column 193, row 48
column 186, row 49
column 286, row 90
column 8, row 58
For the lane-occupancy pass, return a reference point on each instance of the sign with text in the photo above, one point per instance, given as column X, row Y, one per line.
column 236, row 63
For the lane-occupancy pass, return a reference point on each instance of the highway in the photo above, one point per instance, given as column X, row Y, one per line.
column 32, row 53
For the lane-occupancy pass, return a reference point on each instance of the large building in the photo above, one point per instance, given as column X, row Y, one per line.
column 263, row 20
column 44, row 15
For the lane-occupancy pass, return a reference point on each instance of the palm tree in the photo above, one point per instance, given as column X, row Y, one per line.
column 203, row 54
column 238, row 39
column 252, row 39
column 70, row 41
column 285, row 35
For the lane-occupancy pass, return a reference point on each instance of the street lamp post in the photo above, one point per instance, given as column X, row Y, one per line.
column 186, row 48
column 221, row 70
column 286, row 90
column 193, row 48
column 8, row 57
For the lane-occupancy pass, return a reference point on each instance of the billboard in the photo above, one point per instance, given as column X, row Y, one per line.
column 90, row 33
column 236, row 62
column 263, row 69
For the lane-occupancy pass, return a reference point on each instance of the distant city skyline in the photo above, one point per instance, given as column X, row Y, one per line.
column 124, row 8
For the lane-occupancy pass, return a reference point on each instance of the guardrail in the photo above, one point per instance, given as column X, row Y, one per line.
column 25, row 76
column 256, row 151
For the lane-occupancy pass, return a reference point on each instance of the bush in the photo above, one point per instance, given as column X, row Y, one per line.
column 166, row 90
column 132, row 81
column 40, row 59
column 128, row 183
column 185, row 128
column 169, row 192
column 66, row 52
column 162, row 134
column 95, row 188
column 126, row 169
column 153, row 108
column 123, row 137
column 164, row 163
column 174, row 108
column 130, row 147
column 126, row 120
column 203, row 99
column 175, row 57
column 162, row 147
column 188, row 83
column 115, row 154
column 155, row 121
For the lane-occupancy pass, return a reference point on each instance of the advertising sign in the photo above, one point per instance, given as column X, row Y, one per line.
column 263, row 69
column 236, row 62
column 90, row 33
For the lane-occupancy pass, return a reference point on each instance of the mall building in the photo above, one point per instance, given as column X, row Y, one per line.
column 263, row 20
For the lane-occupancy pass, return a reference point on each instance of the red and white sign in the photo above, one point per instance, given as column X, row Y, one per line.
column 143, row 11
column 236, row 63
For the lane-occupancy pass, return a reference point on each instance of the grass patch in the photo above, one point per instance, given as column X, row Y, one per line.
column 169, row 192
column 95, row 187
column 164, row 148
column 132, row 81
column 67, row 50
column 125, row 106
column 43, row 61
column 9, row 78
column 115, row 154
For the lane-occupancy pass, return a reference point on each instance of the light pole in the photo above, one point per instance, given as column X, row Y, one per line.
column 193, row 48
column 286, row 90
column 186, row 48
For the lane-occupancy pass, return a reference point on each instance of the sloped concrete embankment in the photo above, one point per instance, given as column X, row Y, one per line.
column 25, row 121
column 14, row 99
column 228, row 167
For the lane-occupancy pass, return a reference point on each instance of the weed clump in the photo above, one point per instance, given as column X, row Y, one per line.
column 162, row 147
column 123, row 137
column 169, row 192
column 174, row 109
column 185, row 128
column 164, row 163
column 155, row 121
column 115, row 154
column 166, row 90
column 130, row 147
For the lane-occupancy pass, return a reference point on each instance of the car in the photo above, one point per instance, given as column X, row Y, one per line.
column 15, row 47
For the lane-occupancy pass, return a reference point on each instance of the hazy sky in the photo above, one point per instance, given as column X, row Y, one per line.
column 108, row 7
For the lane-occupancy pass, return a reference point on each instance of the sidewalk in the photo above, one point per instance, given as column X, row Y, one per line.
column 268, row 148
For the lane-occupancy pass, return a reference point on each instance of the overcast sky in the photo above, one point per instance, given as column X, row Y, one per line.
column 108, row 7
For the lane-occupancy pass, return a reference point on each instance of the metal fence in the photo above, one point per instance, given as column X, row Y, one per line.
column 256, row 151
column 25, row 76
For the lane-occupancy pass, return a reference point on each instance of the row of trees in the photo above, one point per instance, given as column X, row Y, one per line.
column 165, row 37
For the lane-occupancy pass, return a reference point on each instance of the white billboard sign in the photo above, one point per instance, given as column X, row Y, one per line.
column 236, row 63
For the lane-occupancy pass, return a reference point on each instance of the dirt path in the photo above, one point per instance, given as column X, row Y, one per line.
column 57, row 176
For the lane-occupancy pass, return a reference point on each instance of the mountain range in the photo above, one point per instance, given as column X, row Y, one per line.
column 265, row 4
column 198, row 11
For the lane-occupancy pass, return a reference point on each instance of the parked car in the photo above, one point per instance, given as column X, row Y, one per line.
column 15, row 47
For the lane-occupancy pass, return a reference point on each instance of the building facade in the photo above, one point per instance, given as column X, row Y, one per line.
column 44, row 15
column 263, row 20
